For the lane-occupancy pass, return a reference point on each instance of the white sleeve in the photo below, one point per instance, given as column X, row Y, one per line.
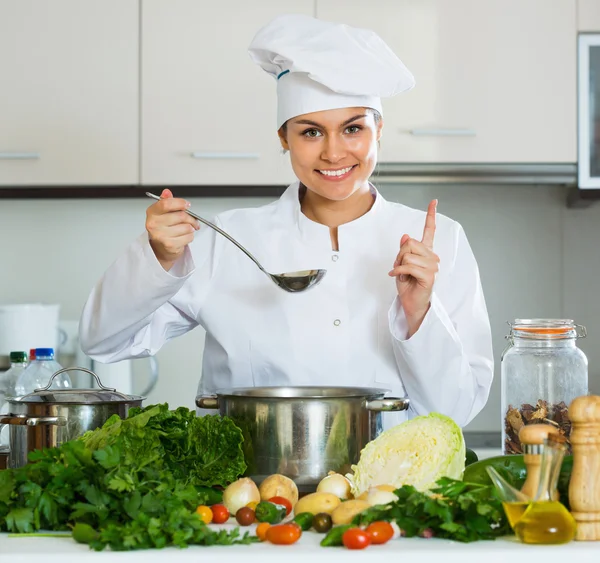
column 447, row 366
column 137, row 305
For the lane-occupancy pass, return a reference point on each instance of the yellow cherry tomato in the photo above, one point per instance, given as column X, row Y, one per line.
column 205, row 514
column 261, row 530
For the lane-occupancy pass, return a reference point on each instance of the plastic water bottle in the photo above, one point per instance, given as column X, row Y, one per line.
column 8, row 380
column 38, row 373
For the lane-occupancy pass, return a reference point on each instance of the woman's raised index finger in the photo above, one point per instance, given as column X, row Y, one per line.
column 171, row 203
column 429, row 230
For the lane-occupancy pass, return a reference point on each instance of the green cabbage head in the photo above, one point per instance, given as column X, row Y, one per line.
column 417, row 452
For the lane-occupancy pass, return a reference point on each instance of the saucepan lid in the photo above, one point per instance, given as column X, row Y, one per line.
column 102, row 395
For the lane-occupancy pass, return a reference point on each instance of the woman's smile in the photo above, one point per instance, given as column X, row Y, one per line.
column 336, row 174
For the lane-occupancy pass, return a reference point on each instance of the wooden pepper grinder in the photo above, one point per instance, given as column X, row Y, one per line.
column 584, row 487
column 532, row 438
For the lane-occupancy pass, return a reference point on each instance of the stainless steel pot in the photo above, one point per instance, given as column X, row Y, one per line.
column 303, row 432
column 48, row 417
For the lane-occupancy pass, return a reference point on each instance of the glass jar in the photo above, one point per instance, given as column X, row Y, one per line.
column 542, row 371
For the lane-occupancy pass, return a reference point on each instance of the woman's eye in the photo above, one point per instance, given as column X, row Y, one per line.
column 353, row 129
column 311, row 133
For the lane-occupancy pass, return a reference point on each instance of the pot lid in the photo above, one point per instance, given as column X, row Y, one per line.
column 302, row 392
column 76, row 396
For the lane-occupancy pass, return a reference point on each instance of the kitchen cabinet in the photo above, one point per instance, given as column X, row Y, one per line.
column 495, row 80
column 69, row 95
column 208, row 112
column 588, row 15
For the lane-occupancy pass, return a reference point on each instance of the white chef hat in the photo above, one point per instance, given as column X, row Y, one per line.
column 322, row 65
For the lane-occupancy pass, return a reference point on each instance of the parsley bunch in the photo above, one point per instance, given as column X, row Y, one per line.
column 132, row 484
column 454, row 510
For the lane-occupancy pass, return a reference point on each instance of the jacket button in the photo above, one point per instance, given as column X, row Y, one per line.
column 337, row 322
column 335, row 257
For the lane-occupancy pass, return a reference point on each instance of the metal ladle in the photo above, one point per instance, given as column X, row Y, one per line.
column 293, row 282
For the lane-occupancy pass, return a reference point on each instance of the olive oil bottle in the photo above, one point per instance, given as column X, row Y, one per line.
column 546, row 520
column 514, row 511
column 541, row 520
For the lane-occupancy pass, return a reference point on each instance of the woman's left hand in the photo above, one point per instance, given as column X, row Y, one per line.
column 415, row 269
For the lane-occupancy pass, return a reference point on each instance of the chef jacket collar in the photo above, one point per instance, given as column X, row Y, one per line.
column 318, row 234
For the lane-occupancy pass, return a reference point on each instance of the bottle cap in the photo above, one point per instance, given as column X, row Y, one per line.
column 18, row 357
column 39, row 352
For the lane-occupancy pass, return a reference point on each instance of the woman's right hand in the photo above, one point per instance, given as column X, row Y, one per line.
column 170, row 228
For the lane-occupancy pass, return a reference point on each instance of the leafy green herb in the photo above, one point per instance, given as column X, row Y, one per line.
column 132, row 484
column 454, row 510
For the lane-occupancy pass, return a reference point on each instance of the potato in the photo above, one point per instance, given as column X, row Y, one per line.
column 346, row 511
column 317, row 502
column 279, row 486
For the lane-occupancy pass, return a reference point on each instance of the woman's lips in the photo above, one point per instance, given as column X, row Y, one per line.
column 335, row 177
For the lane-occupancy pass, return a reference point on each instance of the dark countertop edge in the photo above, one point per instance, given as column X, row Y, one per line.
column 475, row 439
column 101, row 192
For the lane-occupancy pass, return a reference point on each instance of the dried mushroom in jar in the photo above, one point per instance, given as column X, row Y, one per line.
column 556, row 414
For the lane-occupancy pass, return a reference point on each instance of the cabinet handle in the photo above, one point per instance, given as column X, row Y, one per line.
column 19, row 155
column 443, row 132
column 226, row 155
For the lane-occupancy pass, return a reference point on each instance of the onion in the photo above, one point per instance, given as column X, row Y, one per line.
column 336, row 484
column 378, row 495
column 397, row 530
column 239, row 494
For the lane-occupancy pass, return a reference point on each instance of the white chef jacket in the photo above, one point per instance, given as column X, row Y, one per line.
column 350, row 330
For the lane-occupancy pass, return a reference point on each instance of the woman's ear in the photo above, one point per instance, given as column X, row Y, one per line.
column 379, row 129
column 283, row 140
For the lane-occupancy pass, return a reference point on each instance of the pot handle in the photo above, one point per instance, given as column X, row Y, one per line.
column 207, row 401
column 26, row 420
column 75, row 369
column 389, row 404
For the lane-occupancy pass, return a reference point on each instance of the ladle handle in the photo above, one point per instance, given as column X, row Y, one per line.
column 220, row 231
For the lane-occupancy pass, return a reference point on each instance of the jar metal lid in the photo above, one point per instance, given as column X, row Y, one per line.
column 546, row 329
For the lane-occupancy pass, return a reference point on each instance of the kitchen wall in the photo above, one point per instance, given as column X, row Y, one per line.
column 537, row 259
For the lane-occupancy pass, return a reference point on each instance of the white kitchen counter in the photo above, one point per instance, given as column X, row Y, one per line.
column 409, row 550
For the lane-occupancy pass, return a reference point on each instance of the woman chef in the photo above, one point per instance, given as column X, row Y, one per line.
column 401, row 306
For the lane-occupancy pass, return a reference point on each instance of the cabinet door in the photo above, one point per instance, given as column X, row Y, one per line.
column 69, row 95
column 208, row 112
column 495, row 80
column 588, row 15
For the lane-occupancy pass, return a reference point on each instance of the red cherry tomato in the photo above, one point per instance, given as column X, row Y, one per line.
column 355, row 538
column 283, row 502
column 220, row 513
column 380, row 532
column 284, row 534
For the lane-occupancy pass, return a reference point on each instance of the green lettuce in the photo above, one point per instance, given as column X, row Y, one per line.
column 203, row 450
column 417, row 452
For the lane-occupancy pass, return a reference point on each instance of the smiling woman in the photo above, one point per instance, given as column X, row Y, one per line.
column 332, row 146
column 333, row 154
column 400, row 283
